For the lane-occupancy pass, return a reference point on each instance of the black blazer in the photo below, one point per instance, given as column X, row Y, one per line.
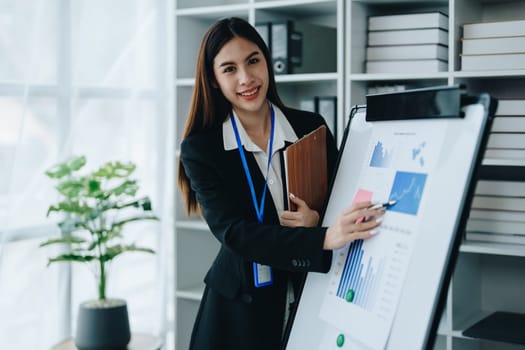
column 233, row 313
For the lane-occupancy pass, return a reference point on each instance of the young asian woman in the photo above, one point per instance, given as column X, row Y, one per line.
column 230, row 172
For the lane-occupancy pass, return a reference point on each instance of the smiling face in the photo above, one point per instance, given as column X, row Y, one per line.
column 241, row 74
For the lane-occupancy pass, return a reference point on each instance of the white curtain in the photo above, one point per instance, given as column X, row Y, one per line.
column 82, row 77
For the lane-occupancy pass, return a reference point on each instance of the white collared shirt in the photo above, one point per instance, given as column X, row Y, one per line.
column 283, row 131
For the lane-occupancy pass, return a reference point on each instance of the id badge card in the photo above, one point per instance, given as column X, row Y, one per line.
column 262, row 275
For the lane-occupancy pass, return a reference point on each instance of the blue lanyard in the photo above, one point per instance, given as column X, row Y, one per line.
column 259, row 209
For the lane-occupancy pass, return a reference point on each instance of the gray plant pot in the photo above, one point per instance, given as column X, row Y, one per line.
column 103, row 325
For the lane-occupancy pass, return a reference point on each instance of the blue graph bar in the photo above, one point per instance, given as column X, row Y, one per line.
column 345, row 276
column 354, row 285
column 348, row 269
column 356, row 267
column 362, row 297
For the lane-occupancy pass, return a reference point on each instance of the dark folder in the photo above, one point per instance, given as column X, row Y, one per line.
column 286, row 47
column 499, row 326
column 306, row 169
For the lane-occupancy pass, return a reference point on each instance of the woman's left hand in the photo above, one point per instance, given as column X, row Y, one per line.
column 304, row 216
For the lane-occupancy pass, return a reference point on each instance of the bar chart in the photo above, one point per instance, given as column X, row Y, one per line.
column 360, row 277
column 381, row 156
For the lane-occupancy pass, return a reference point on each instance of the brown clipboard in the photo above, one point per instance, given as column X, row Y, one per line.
column 306, row 169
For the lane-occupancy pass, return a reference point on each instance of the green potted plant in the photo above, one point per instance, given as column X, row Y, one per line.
column 94, row 209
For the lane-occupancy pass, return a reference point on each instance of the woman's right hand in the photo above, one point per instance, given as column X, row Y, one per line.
column 350, row 225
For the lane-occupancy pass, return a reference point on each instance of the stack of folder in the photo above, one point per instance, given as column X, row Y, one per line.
column 381, row 89
column 493, row 46
column 295, row 46
column 497, row 213
column 415, row 43
column 507, row 135
column 326, row 106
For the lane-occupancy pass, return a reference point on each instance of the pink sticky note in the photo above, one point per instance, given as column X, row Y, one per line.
column 361, row 196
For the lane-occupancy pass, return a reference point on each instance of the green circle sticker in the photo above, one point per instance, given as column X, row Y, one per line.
column 350, row 295
column 340, row 340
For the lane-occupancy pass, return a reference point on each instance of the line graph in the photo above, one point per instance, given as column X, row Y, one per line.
column 407, row 190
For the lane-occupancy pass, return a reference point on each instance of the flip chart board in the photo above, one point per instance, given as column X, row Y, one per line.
column 421, row 148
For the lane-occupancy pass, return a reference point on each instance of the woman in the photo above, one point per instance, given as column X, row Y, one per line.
column 236, row 120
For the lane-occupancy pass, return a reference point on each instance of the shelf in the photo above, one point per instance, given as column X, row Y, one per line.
column 467, row 322
column 300, row 8
column 314, row 77
column 397, row 2
column 396, row 76
column 192, row 293
column 285, row 78
column 185, row 82
column 213, row 12
column 192, row 225
column 486, row 276
column 493, row 248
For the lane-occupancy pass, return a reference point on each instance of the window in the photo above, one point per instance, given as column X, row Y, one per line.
column 84, row 77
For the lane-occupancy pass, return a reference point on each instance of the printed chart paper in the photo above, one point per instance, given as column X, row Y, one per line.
column 367, row 276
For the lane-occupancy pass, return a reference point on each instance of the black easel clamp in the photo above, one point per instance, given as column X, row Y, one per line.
column 434, row 102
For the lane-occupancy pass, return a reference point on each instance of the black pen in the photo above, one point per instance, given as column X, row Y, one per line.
column 382, row 205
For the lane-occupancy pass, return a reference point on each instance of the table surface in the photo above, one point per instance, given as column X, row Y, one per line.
column 139, row 341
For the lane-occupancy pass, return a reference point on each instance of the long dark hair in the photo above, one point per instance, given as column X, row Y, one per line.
column 209, row 108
